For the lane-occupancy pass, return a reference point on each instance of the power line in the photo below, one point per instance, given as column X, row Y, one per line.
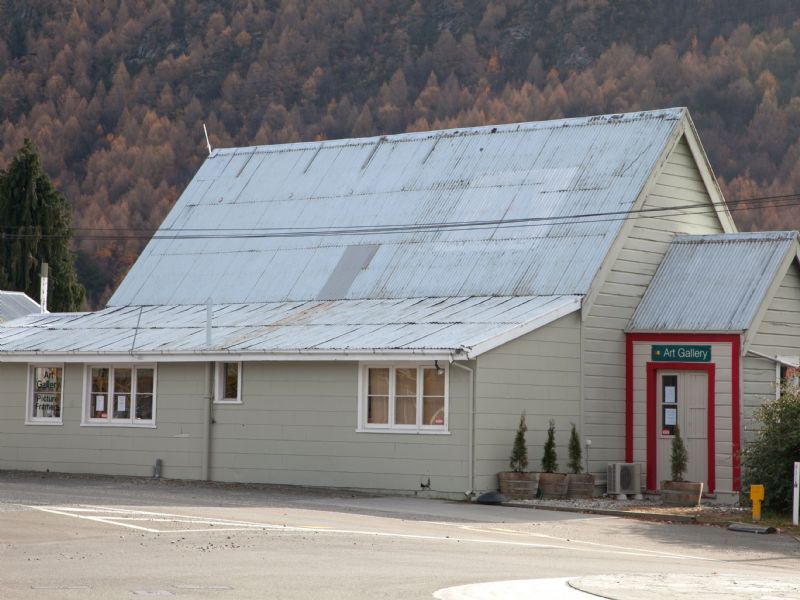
column 788, row 200
column 367, row 230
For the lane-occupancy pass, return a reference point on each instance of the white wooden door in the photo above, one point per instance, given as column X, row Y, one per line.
column 682, row 400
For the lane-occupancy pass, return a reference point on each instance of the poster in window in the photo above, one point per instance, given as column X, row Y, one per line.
column 670, row 417
column 99, row 403
column 669, row 394
column 121, row 403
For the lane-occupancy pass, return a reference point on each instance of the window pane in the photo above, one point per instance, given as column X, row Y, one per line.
column 98, row 398
column 231, row 374
column 122, row 394
column 144, row 407
column 144, row 381
column 378, row 410
column 433, row 410
column 405, row 410
column 405, row 382
column 378, row 382
column 433, row 383
column 47, row 392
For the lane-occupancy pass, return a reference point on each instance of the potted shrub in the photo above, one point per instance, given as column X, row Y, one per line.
column 519, row 482
column 579, row 484
column 678, row 492
column 551, row 484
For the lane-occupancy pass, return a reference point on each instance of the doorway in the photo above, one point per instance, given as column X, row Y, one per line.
column 682, row 401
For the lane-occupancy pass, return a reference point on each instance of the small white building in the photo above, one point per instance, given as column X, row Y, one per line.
column 16, row 304
column 376, row 313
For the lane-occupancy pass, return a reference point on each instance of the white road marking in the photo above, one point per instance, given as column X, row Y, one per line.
column 598, row 544
column 509, row 590
column 119, row 516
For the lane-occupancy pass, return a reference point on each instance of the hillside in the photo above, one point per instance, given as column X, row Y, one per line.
column 114, row 93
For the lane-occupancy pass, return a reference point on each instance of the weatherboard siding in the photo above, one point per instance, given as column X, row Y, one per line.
column 111, row 450
column 778, row 334
column 297, row 425
column 678, row 184
column 538, row 373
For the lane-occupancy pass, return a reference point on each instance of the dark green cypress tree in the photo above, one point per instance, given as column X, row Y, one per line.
column 519, row 453
column 575, row 453
column 679, row 457
column 35, row 228
column 549, row 459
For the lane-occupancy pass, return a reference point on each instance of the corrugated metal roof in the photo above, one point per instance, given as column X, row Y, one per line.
column 712, row 282
column 466, row 324
column 16, row 304
column 521, row 171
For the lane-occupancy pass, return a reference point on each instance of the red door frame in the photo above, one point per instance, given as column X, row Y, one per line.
column 652, row 416
column 735, row 341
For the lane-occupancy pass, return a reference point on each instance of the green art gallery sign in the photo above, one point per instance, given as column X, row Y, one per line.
column 680, row 353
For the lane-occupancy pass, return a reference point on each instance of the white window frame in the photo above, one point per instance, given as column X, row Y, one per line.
column 219, row 383
column 109, row 421
column 29, row 418
column 391, row 427
column 784, row 361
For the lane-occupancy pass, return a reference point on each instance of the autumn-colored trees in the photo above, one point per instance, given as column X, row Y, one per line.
column 114, row 93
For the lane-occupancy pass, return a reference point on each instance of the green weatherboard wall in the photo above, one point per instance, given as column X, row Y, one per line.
column 680, row 353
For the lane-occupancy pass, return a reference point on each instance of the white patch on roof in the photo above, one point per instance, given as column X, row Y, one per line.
column 213, row 242
column 712, row 282
column 466, row 325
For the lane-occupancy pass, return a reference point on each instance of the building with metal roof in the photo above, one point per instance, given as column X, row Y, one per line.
column 377, row 313
column 16, row 304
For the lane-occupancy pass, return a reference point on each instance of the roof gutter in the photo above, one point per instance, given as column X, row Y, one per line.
column 226, row 355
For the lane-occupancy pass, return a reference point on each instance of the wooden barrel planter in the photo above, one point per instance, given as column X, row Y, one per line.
column 553, row 485
column 518, row 486
column 580, row 485
column 681, row 493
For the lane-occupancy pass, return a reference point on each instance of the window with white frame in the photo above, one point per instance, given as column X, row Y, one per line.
column 46, row 394
column 228, row 388
column 786, row 375
column 121, row 395
column 403, row 398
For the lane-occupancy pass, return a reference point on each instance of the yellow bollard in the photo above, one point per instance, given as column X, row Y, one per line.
column 757, row 496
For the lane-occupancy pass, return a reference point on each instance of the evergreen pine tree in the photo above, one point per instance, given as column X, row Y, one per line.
column 35, row 220
column 679, row 456
column 549, row 464
column 575, row 454
column 519, row 454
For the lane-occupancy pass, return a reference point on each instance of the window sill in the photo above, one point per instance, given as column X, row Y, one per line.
column 44, row 422
column 223, row 402
column 132, row 425
column 403, row 431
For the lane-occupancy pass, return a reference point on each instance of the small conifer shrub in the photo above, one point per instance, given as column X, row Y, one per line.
column 679, row 456
column 519, row 454
column 549, row 458
column 575, row 454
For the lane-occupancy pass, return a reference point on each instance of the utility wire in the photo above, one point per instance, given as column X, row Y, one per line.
column 678, row 211
column 786, row 200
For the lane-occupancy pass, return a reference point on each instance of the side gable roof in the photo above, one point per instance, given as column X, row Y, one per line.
column 714, row 282
column 16, row 304
column 362, row 219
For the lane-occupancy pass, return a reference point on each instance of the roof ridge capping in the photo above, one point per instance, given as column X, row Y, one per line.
column 742, row 236
column 667, row 114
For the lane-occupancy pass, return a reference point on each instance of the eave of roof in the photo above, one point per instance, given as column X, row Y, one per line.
column 441, row 328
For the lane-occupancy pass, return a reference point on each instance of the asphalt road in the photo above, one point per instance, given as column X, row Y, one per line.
column 87, row 538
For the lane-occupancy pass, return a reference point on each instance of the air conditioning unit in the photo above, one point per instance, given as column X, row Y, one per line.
column 624, row 478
